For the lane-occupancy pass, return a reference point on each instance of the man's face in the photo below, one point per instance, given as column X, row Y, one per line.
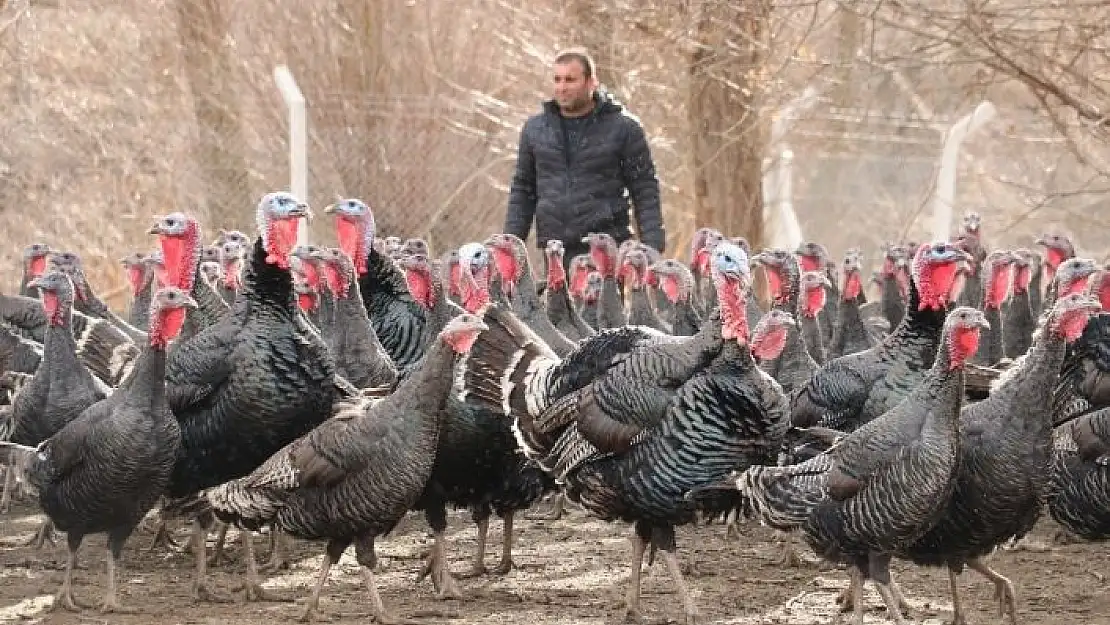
column 572, row 88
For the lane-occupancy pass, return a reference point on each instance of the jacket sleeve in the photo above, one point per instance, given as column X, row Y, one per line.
column 522, row 193
column 638, row 170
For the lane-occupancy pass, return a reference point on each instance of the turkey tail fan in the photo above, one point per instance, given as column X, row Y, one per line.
column 783, row 497
column 245, row 507
column 188, row 507
column 502, row 361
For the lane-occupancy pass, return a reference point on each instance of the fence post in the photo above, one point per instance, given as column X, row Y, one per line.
column 945, row 194
column 298, row 140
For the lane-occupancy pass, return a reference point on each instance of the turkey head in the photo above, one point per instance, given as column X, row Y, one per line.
column 57, row 296
column 179, row 238
column 308, row 298
column 603, row 251
column 580, row 267
column 461, row 332
column 769, row 335
column 1069, row 315
column 232, row 255
column 962, row 329
column 1025, row 264
column 701, row 246
column 1098, row 286
column 556, row 276
column 1072, row 275
column 781, row 269
column 812, row 287
column 851, row 275
column 449, row 265
column 812, row 256
column 355, row 228
column 731, row 273
column 309, row 264
column 1058, row 248
column 474, row 275
column 633, row 268
column 511, row 259
column 167, row 314
column 279, row 216
column 896, row 265
column 419, row 278
column 997, row 277
column 674, row 279
column 137, row 271
column 338, row 269
column 34, row 260
column 935, row 269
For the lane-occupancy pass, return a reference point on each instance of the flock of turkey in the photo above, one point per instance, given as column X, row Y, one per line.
column 324, row 393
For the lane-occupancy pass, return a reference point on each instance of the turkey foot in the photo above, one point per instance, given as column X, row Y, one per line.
column 478, row 568
column 790, row 557
column 556, row 512
column 1003, row 589
column 112, row 606
column 1063, row 537
column 201, row 591
column 957, row 611
column 446, row 586
column 1025, row 544
column 253, row 586
column 64, row 599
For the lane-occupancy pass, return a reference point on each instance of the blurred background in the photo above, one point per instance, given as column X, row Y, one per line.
column 115, row 112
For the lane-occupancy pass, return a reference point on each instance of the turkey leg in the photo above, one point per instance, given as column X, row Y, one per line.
column 64, row 599
column 479, row 566
column 632, row 596
column 253, row 585
column 506, row 564
column 957, row 611
column 9, row 484
column 45, row 533
column 364, row 553
column 689, row 608
column 201, row 591
column 111, row 597
column 218, row 548
column 446, row 587
column 790, row 557
column 279, row 561
column 1003, row 589
column 332, row 553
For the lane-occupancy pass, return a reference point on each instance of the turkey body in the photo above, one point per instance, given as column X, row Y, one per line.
column 1079, row 498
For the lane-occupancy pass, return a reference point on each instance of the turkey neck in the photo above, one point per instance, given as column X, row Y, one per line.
column 1027, row 392
column 919, row 333
column 524, row 302
column 210, row 308
column 59, row 347
column 1035, row 291
column 610, row 307
column 791, row 280
column 849, row 327
column 686, row 318
column 427, row 388
column 146, row 386
column 990, row 348
column 893, row 304
column 266, row 285
column 942, row 390
column 1017, row 325
column 814, row 337
column 140, row 303
column 639, row 309
column 439, row 314
column 794, row 366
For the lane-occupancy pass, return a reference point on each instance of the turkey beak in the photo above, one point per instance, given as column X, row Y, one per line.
column 981, row 322
column 155, row 229
column 301, row 210
column 37, row 283
column 329, row 209
column 189, row 302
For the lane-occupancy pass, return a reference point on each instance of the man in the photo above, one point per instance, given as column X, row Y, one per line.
column 579, row 163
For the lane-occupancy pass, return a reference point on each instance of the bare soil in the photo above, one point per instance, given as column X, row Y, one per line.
column 568, row 571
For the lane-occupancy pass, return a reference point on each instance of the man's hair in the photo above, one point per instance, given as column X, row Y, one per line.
column 580, row 55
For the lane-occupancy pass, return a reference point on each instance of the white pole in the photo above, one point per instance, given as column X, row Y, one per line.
column 778, row 214
column 298, row 139
column 945, row 195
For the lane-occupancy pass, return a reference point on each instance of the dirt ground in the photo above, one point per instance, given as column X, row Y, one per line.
column 569, row 571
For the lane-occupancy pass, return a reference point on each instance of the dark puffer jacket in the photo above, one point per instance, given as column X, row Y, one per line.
column 572, row 192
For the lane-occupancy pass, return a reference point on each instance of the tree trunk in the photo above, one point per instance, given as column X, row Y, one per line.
column 591, row 25
column 727, row 135
column 203, row 29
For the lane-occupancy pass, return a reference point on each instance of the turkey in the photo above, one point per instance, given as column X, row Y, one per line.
column 634, row 267
column 106, row 469
column 510, row 257
column 397, row 319
column 676, row 281
column 253, row 382
column 851, row 390
column 141, row 277
column 1005, row 451
column 610, row 308
column 851, row 335
column 881, row 487
column 1058, row 248
column 995, row 272
column 1079, row 496
column 1018, row 318
column 355, row 476
column 813, row 256
column 629, row 423
column 560, row 309
column 233, row 253
column 61, row 388
column 813, row 289
column 895, row 283
column 87, row 301
column 359, row 357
